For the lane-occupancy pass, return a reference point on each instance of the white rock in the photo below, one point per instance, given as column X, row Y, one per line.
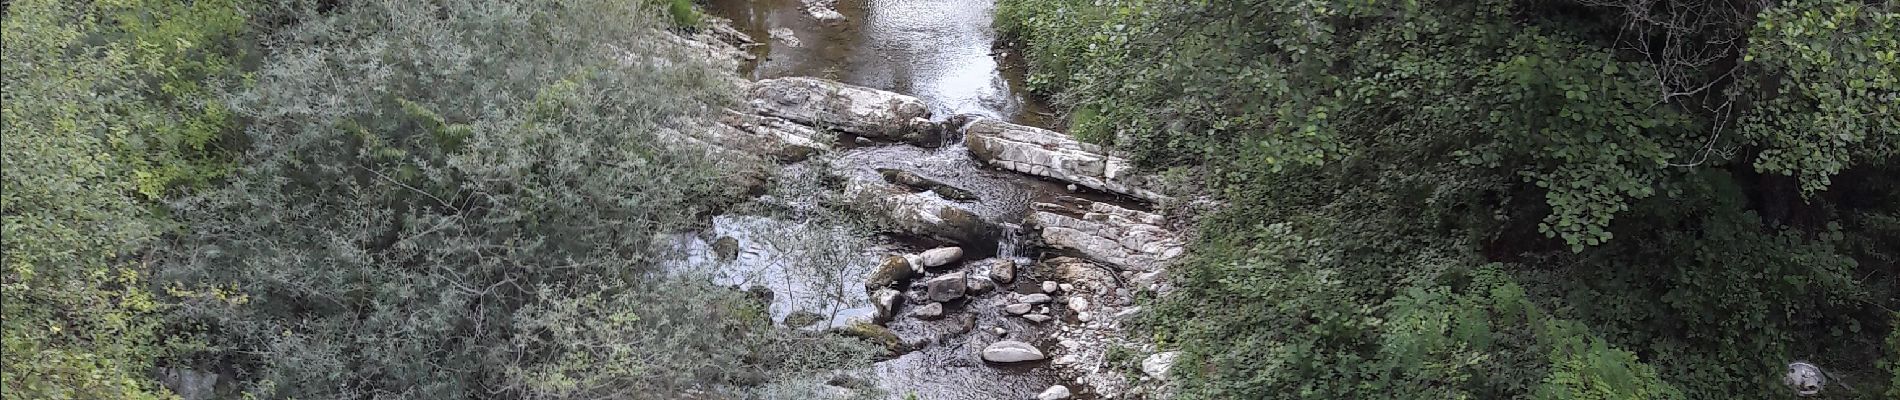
column 1037, row 298
column 1017, row 309
column 1050, row 287
column 1067, row 359
column 1010, row 351
column 1157, row 365
column 1057, row 392
column 980, row 285
column 940, row 256
column 1066, row 288
column 1078, row 304
column 1055, row 155
column 999, row 330
column 1084, row 316
column 1038, row 318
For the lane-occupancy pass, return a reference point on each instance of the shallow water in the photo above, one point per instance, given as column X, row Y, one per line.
column 942, row 52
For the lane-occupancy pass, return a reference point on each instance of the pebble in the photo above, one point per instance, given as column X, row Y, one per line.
column 1037, row 318
column 1078, row 304
column 1066, row 288
column 1050, row 287
column 999, row 330
column 1057, row 392
column 1037, row 298
column 1083, row 316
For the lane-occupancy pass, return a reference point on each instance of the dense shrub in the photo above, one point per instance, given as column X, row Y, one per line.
column 107, row 106
column 461, row 200
column 1699, row 191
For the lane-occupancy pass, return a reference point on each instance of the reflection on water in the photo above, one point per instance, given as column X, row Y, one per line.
column 938, row 50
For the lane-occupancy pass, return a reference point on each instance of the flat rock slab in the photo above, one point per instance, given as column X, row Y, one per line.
column 839, row 106
column 1050, row 154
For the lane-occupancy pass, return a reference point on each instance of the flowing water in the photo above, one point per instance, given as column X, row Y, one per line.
column 941, row 51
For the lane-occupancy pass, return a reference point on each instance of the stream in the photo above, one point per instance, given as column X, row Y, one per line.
column 940, row 51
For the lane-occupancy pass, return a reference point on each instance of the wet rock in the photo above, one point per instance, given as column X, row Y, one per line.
column 823, row 11
column 760, row 293
column 1038, row 318
column 1011, row 351
column 1054, row 155
column 785, row 35
column 1157, row 365
column 766, row 136
column 885, row 301
column 1003, row 272
column 940, row 256
column 892, row 271
column 839, row 106
column 1066, row 287
column 1084, row 316
column 979, row 285
column 1036, row 298
column 1108, row 233
column 1050, row 287
column 928, row 311
column 802, row 318
column 946, row 288
column 918, row 213
column 1017, row 309
column 1057, row 392
column 875, row 334
column 919, row 182
column 726, row 248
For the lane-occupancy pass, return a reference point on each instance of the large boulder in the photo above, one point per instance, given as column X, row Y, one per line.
column 945, row 288
column 842, row 107
column 1049, row 154
column 892, row 271
column 1108, row 233
column 1011, row 351
column 918, row 213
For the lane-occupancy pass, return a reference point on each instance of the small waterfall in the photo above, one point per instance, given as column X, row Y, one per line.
column 1009, row 244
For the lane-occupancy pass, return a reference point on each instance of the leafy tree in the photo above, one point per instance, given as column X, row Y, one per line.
column 1700, row 184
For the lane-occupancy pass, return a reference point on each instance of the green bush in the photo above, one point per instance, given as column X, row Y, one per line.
column 463, row 199
column 108, row 106
column 1691, row 217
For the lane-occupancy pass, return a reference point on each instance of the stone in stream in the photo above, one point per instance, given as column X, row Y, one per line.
column 945, row 288
column 1050, row 154
column 1011, row 351
column 1050, row 287
column 842, row 107
column 928, row 311
column 726, row 248
column 1057, row 392
column 885, row 301
column 892, row 271
column 1003, row 272
column 1108, row 233
column 1017, row 309
column 876, row 334
column 940, row 256
column 979, row 285
column 1037, row 318
column 1037, row 298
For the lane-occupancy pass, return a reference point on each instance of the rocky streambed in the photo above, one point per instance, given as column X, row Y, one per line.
column 991, row 259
